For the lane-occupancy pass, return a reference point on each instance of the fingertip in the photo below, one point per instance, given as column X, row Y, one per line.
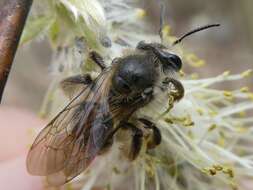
column 18, row 129
column 13, row 176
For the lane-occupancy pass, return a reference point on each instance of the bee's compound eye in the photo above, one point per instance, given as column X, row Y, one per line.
column 169, row 60
column 175, row 61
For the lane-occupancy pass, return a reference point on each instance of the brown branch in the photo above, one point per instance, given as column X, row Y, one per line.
column 13, row 14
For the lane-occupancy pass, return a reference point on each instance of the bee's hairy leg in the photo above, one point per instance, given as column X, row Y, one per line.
column 156, row 136
column 77, row 79
column 176, row 88
column 98, row 59
column 136, row 141
column 72, row 84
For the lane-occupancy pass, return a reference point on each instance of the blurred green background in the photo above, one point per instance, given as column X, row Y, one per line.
column 229, row 47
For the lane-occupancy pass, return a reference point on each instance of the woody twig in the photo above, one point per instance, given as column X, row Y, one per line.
column 13, row 14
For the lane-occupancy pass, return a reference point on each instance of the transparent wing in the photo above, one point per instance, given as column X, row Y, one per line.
column 67, row 145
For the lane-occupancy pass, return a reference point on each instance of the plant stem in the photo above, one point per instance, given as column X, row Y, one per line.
column 13, row 14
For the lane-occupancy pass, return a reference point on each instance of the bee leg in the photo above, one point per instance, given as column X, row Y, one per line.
column 98, row 59
column 156, row 137
column 77, row 79
column 136, row 141
column 176, row 88
column 72, row 84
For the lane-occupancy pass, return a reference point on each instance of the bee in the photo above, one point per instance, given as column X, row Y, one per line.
column 101, row 107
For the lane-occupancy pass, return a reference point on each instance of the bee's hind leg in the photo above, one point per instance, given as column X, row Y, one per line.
column 136, row 141
column 98, row 59
column 149, row 131
column 156, row 137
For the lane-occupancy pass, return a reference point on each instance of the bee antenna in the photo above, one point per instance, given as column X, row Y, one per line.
column 162, row 16
column 194, row 31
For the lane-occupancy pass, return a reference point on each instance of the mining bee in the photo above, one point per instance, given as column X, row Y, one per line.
column 102, row 107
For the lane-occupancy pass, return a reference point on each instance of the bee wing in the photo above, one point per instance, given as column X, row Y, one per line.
column 60, row 151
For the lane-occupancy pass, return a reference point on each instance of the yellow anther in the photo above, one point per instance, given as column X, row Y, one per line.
column 166, row 30
column 200, row 111
column 229, row 172
column 205, row 170
column 179, row 119
column 212, row 171
column 241, row 129
column 227, row 93
column 250, row 95
column 226, row 73
column 247, row 73
column 168, row 120
column 188, row 121
column 242, row 114
column 194, row 61
column 244, row 89
column 218, row 167
column 181, row 73
column 141, row 13
column 212, row 127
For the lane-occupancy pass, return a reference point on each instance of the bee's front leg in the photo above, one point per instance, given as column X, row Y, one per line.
column 176, row 89
column 74, row 84
column 155, row 137
column 98, row 59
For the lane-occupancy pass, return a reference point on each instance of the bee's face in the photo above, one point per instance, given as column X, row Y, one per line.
column 134, row 74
